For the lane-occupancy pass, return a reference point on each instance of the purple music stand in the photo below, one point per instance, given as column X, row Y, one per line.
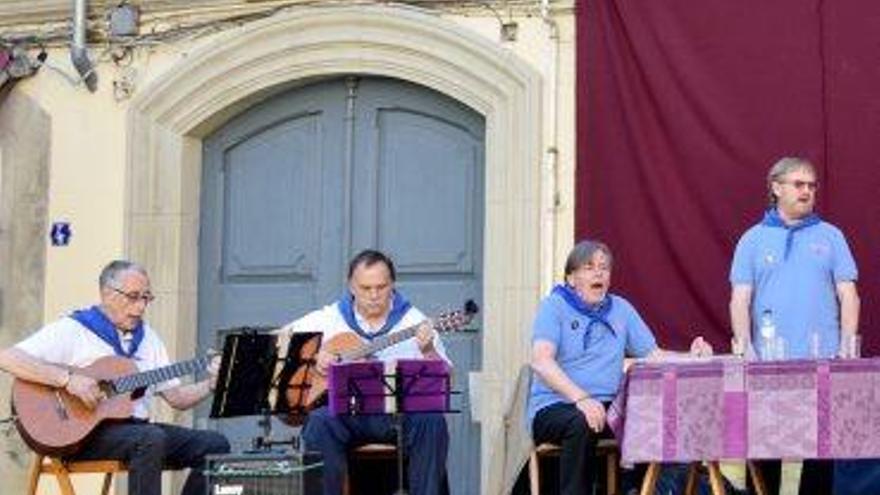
column 375, row 387
column 369, row 387
column 356, row 388
column 425, row 384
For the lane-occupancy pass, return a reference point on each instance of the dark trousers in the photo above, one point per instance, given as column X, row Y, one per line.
column 426, row 441
column 565, row 425
column 147, row 448
column 817, row 476
column 856, row 476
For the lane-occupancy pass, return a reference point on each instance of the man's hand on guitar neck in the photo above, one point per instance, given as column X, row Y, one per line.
column 213, row 370
column 85, row 389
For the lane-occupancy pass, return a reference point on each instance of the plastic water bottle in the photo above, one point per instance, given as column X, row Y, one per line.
column 768, row 336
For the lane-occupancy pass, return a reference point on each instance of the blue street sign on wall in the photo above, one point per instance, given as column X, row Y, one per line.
column 60, row 234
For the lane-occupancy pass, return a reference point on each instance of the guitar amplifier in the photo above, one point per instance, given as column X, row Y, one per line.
column 272, row 473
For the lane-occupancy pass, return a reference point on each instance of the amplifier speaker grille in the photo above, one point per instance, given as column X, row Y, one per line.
column 264, row 474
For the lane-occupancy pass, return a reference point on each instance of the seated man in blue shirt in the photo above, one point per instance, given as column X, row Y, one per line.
column 581, row 335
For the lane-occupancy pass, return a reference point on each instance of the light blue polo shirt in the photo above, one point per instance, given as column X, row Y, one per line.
column 799, row 291
column 598, row 368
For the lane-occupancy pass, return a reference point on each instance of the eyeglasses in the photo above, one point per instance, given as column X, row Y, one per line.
column 800, row 184
column 593, row 268
column 135, row 297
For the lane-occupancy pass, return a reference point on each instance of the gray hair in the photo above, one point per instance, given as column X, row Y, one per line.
column 111, row 275
column 782, row 167
column 583, row 252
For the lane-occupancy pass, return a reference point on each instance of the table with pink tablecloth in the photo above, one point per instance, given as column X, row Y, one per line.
column 731, row 409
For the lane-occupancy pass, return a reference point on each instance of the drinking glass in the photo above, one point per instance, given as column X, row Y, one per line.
column 780, row 348
column 768, row 349
column 851, row 345
column 815, row 345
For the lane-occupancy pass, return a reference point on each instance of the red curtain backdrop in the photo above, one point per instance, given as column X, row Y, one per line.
column 682, row 108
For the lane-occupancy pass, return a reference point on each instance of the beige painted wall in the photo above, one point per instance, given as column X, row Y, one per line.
column 91, row 175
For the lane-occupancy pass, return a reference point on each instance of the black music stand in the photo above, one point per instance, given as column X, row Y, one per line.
column 245, row 376
column 247, row 382
column 416, row 386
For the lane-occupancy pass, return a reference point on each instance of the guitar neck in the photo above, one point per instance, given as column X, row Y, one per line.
column 130, row 383
column 446, row 322
column 380, row 343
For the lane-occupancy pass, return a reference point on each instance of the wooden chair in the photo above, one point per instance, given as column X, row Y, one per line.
column 63, row 469
column 607, row 448
column 378, row 451
column 370, row 451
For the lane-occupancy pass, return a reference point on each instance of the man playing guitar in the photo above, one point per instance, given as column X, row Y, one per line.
column 59, row 358
column 371, row 308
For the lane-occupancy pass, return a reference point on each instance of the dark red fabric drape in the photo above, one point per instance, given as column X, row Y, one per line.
column 682, row 108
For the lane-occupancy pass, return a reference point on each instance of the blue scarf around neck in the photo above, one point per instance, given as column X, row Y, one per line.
column 95, row 320
column 399, row 307
column 772, row 219
column 595, row 313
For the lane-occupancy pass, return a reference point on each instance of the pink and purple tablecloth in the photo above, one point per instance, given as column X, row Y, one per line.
column 731, row 409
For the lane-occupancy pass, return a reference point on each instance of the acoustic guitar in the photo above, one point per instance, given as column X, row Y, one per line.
column 53, row 422
column 307, row 387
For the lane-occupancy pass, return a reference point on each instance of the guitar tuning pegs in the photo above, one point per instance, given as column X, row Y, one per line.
column 471, row 307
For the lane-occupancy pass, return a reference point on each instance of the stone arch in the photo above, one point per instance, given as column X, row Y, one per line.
column 25, row 139
column 225, row 74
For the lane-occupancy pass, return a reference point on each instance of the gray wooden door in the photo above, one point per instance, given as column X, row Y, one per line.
column 297, row 184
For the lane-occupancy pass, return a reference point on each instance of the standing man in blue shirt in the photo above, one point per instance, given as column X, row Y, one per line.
column 797, row 267
column 581, row 335
column 798, row 271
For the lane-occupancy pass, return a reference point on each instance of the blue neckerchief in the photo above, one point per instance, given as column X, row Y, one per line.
column 772, row 219
column 596, row 313
column 95, row 320
column 399, row 307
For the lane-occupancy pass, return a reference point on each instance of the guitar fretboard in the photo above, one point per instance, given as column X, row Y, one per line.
column 446, row 322
column 380, row 343
column 130, row 383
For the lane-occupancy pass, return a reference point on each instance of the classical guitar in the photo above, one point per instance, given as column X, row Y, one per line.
column 54, row 422
column 307, row 387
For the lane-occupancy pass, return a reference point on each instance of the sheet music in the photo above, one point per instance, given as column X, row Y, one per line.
column 282, row 344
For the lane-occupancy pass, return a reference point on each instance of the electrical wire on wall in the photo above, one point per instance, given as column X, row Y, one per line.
column 174, row 27
column 168, row 27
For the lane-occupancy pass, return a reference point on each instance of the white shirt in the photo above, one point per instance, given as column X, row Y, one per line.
column 328, row 320
column 68, row 343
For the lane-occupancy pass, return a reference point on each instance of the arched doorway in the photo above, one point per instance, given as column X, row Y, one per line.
column 171, row 116
column 295, row 185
